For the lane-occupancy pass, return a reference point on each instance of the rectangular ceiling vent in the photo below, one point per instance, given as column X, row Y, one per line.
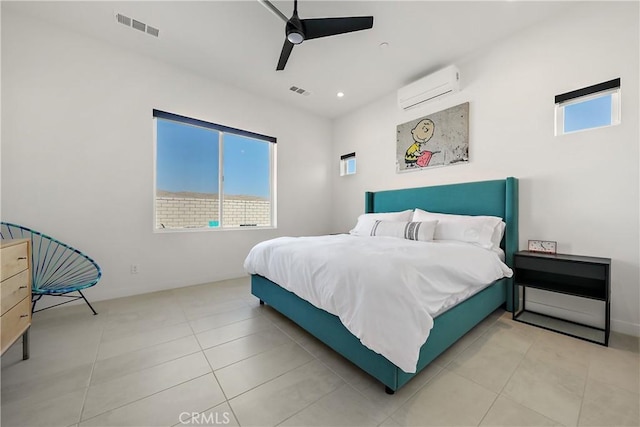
column 138, row 25
column 153, row 31
column 299, row 91
column 123, row 20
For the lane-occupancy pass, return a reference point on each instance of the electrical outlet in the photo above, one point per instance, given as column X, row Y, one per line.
column 134, row 268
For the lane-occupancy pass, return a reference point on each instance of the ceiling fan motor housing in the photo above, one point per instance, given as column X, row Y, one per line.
column 294, row 30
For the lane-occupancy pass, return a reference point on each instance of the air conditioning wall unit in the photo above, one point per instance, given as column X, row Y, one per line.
column 431, row 87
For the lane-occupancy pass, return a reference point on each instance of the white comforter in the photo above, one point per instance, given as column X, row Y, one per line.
column 385, row 290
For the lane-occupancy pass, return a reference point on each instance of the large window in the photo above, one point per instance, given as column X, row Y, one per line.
column 209, row 176
column 588, row 108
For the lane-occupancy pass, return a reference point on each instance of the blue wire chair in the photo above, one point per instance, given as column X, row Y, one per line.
column 57, row 269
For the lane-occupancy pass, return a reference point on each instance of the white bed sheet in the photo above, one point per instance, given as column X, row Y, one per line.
column 385, row 290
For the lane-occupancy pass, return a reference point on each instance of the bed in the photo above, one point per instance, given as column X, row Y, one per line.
column 492, row 198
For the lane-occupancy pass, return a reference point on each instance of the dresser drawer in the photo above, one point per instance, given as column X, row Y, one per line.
column 14, row 290
column 14, row 322
column 14, row 259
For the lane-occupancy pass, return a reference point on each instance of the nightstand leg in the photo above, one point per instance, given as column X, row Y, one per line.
column 25, row 345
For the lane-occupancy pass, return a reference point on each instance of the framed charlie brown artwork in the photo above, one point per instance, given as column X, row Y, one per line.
column 439, row 139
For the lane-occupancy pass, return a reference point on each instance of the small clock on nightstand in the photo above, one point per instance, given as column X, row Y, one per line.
column 542, row 246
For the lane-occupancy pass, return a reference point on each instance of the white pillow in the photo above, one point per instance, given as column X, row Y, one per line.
column 422, row 231
column 496, row 237
column 485, row 231
column 366, row 221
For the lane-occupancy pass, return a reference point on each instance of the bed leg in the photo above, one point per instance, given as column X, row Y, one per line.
column 261, row 302
column 389, row 390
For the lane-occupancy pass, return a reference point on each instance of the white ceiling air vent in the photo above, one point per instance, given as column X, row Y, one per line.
column 431, row 87
column 138, row 25
column 299, row 91
column 123, row 20
column 153, row 31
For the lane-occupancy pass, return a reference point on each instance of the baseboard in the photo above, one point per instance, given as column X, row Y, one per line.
column 627, row 328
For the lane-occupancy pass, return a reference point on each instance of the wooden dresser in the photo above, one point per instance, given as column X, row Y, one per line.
column 15, row 298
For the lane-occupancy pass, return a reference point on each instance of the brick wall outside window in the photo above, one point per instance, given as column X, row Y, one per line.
column 180, row 210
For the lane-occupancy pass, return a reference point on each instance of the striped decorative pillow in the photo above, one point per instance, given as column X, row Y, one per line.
column 366, row 221
column 420, row 230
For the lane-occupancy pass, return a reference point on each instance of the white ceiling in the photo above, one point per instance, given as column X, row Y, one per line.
column 239, row 42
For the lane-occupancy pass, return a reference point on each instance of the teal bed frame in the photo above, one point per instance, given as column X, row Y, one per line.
column 495, row 198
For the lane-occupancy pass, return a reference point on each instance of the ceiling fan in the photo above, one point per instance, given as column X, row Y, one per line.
column 298, row 30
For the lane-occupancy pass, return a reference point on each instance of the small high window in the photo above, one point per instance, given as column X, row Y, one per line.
column 348, row 164
column 588, row 108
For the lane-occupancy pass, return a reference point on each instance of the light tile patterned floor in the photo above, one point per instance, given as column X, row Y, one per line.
column 210, row 355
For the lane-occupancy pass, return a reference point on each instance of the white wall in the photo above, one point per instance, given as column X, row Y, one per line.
column 77, row 156
column 580, row 190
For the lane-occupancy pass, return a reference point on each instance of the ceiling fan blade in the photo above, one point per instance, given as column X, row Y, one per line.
column 323, row 27
column 284, row 55
column 273, row 9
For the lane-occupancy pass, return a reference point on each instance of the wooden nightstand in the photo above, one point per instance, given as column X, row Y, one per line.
column 16, row 294
column 581, row 276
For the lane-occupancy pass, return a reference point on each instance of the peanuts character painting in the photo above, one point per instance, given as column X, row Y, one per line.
column 434, row 140
column 421, row 134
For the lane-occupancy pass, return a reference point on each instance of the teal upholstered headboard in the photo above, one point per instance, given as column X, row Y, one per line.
column 495, row 198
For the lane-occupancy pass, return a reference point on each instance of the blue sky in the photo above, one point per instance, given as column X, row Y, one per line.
column 588, row 114
column 187, row 160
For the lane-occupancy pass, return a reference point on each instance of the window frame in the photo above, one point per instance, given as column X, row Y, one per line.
column 611, row 87
column 222, row 130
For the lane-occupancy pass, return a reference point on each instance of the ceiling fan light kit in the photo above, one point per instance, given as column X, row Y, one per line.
column 298, row 30
column 294, row 34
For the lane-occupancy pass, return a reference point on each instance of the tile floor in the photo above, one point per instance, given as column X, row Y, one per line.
column 210, row 355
